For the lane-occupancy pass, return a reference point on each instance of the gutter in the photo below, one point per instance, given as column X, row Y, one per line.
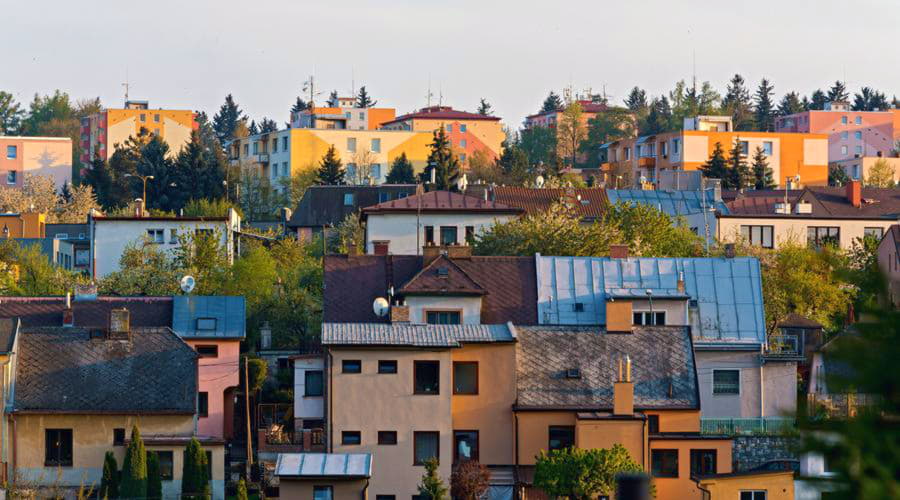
column 330, row 446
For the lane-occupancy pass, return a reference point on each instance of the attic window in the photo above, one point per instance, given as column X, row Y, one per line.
column 206, row 324
column 573, row 373
column 578, row 307
column 443, row 272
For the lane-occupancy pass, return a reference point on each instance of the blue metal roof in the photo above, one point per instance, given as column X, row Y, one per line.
column 347, row 465
column 728, row 292
column 673, row 203
column 198, row 316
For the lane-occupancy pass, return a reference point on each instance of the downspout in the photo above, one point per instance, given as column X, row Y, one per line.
column 516, row 445
column 762, row 384
column 330, row 446
column 365, row 492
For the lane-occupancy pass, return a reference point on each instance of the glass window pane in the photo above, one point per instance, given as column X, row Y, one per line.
column 465, row 446
column 427, row 377
column 313, row 381
column 425, row 445
column 726, row 381
column 321, row 493
column 465, row 378
column 561, row 436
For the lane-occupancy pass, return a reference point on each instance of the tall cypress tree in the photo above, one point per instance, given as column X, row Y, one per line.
column 444, row 163
column 764, row 110
column 154, row 479
column 738, row 175
column 716, row 166
column 134, row 468
column 109, row 482
column 762, row 174
column 331, row 170
column 363, row 99
column 226, row 120
column 194, row 479
column 401, row 171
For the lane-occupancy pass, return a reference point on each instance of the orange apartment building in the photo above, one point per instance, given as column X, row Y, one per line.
column 343, row 114
column 47, row 156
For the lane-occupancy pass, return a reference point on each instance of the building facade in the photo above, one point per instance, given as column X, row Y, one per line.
column 343, row 114
column 859, row 169
column 44, row 156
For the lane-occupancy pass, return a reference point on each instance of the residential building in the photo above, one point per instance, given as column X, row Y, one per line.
column 859, row 168
column 111, row 235
column 343, row 114
column 77, row 236
column 468, row 132
column 814, row 215
column 101, row 132
column 640, row 160
column 24, row 225
column 323, row 475
column 403, row 226
column 851, row 134
column 550, row 119
column 58, row 252
column 771, row 485
column 889, row 262
column 323, row 208
column 44, row 156
column 697, row 208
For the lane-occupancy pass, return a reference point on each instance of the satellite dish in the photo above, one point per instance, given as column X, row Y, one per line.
column 188, row 283
column 381, row 307
column 539, row 181
column 462, row 183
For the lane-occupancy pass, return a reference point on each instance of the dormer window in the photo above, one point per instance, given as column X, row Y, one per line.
column 573, row 373
column 206, row 324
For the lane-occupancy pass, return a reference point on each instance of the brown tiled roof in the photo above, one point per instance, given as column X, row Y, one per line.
column 324, row 205
column 590, row 203
column 757, row 205
column 797, row 321
column 441, row 201
column 48, row 311
column 442, row 276
column 442, row 113
column 826, row 201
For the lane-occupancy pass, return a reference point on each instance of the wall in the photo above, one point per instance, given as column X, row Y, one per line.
column 370, row 402
column 677, row 420
column 777, row 485
column 174, row 126
column 44, row 156
column 590, row 434
column 27, row 225
column 470, row 308
column 683, row 487
column 858, row 168
column 786, row 228
column 215, row 376
column 745, row 404
column 312, row 407
column 400, row 229
column 303, row 488
column 534, row 431
column 889, row 263
column 752, row 451
column 780, row 393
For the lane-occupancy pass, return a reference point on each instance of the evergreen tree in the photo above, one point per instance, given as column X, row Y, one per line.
column 331, row 170
column 869, row 99
column 552, row 103
column 194, row 479
column 333, row 99
column 716, row 166
column 134, row 468
column 401, row 171
column 444, row 163
column 838, row 92
column 818, row 100
column 513, row 162
column 737, row 103
column 299, row 105
column 636, row 100
column 762, row 173
column 241, row 490
column 226, row 120
column 790, row 104
column 432, row 486
column 253, row 128
column 658, row 119
column 11, row 114
column 109, row 482
column 738, row 174
column 199, row 169
column 363, row 99
column 837, row 176
column 154, row 479
column 266, row 126
column 764, row 111
column 155, row 160
column 485, row 108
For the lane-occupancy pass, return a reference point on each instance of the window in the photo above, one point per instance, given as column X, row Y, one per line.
column 375, row 171
column 627, row 153
column 753, row 495
column 462, row 157
column 206, row 324
column 11, row 152
column 313, row 383
column 845, row 135
column 450, row 128
column 462, row 127
column 284, row 143
column 173, row 236
column 166, row 461
column 703, row 462
column 203, row 404
column 322, row 493
column 465, row 377
column 348, row 199
column 857, row 149
column 156, row 235
column 376, row 145
column 387, row 437
column 11, row 177
column 351, row 366
column 817, row 236
column 426, row 377
column 664, row 463
column 448, row 235
column 387, row 366
column 858, row 120
column 745, row 147
column 383, row 197
column 647, row 318
column 429, row 235
column 470, row 235
column 462, row 143
column 767, row 148
column 465, row 446
column 275, row 145
column 143, row 117
column 875, row 232
column 857, row 135
column 675, row 146
column 843, row 150
column 426, row 444
column 385, row 497
column 208, row 351
column 726, row 381
column 653, row 424
column 561, row 437
column 855, row 173
column 442, row 317
column 760, row 236
column 351, row 170
column 246, row 149
column 844, row 120
column 351, row 437
column 58, row 447
column 119, row 437
column 351, row 144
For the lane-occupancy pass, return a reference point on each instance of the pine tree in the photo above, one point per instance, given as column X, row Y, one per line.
column 154, row 479
column 254, row 130
column 636, row 100
column 762, row 173
column 194, row 479
column 299, row 105
column 401, row 171
column 432, row 486
column 513, row 162
column 552, row 103
column 716, row 166
column 764, row 110
column 818, row 100
column 485, row 108
column 267, row 126
column 134, row 468
column 363, row 99
column 737, row 175
column 790, row 104
column 838, row 92
column 444, row 163
column 737, row 103
column 869, row 99
column 226, row 120
column 331, row 170
column 241, row 490
column 333, row 99
column 109, row 483
column 658, row 119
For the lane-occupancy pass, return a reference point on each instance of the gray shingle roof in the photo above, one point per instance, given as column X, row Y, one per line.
column 416, row 335
column 662, row 361
column 8, row 327
column 222, row 316
column 61, row 370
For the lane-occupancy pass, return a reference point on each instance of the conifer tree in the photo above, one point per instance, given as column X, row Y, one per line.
column 762, row 173
column 444, row 163
column 363, row 99
column 764, row 110
column 738, row 175
column 513, row 162
column 401, row 171
column 194, row 479
column 241, row 490
column 636, row 100
column 485, row 108
column 838, row 92
column 154, row 479
column 817, row 101
column 134, row 468
column 331, row 170
column 737, row 103
column 109, row 482
column 552, row 103
column 716, row 166
column 267, row 125
column 432, row 486
column 299, row 105
column 333, row 99
column 253, row 128
column 790, row 104
column 226, row 120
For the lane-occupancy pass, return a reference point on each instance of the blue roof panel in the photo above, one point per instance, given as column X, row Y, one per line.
column 199, row 316
column 672, row 203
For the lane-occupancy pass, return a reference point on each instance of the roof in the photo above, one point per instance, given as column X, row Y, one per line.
column 440, row 201
column 590, row 203
column 191, row 315
column 728, row 292
column 662, row 363
column 825, row 201
column 72, row 230
column 48, row 311
column 672, row 203
column 62, row 370
column 351, row 284
column 336, row 465
column 794, row 320
column 586, row 107
column 8, row 329
column 442, row 276
column 413, row 335
column 324, row 205
column 442, row 113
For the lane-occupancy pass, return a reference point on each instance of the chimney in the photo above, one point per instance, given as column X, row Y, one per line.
column 459, row 251
column 265, row 336
column 623, row 390
column 400, row 313
column 431, row 252
column 138, row 207
column 729, row 250
column 854, row 193
column 119, row 324
column 618, row 251
column 680, row 282
column 68, row 313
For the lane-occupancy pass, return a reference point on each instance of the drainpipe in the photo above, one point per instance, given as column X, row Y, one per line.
column 330, row 423
column 365, row 492
column 762, row 386
column 516, row 441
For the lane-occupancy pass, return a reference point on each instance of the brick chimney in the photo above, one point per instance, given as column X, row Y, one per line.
column 431, row 252
column 459, row 251
column 623, row 390
column 400, row 313
column 854, row 193
column 618, row 251
column 680, row 283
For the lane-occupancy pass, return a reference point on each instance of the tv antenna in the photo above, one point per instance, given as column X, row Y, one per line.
column 126, row 84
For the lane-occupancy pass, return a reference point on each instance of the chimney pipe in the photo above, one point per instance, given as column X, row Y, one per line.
column 680, row 281
column 623, row 391
column 854, row 193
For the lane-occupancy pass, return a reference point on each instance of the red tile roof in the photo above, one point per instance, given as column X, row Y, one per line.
column 590, row 203
column 441, row 201
column 586, row 107
column 442, row 277
column 48, row 311
column 826, row 201
column 442, row 113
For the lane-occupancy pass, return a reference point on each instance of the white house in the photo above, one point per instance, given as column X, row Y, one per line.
column 403, row 226
column 109, row 236
column 309, row 391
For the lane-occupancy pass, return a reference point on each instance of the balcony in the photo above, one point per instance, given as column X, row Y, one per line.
column 260, row 158
column 647, row 162
column 760, row 426
column 839, row 406
column 784, row 347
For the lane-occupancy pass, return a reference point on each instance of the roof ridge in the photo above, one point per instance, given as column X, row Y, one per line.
column 433, row 264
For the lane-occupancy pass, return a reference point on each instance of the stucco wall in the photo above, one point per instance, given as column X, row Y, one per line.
column 50, row 157
column 534, row 431
column 215, row 376
column 469, row 307
column 747, row 403
column 683, row 487
column 590, row 434
column 303, row 489
column 307, row 406
column 889, row 263
column 777, row 485
column 795, row 228
column 400, row 229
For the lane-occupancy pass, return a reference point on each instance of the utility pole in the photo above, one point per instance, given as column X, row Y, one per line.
column 247, row 411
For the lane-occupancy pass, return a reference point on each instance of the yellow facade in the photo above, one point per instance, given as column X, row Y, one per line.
column 777, row 485
column 28, row 225
column 308, row 146
column 101, row 132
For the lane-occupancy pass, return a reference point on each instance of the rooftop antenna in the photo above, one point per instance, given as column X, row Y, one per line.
column 429, row 95
column 440, row 94
column 126, row 85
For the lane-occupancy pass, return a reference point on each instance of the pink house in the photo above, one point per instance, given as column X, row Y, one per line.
column 45, row 156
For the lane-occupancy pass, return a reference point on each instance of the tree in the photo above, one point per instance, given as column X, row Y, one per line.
column 109, row 482
column 817, row 103
column 688, row 102
column 333, row 99
column 881, row 174
column 363, row 99
column 485, row 108
column 552, row 103
column 432, row 486
column 144, row 269
column 737, row 103
column 361, row 171
column 571, row 131
column 134, row 468
column 226, row 120
column 716, row 166
column 580, row 474
column 790, row 104
column 36, row 275
column 241, row 490
column 154, row 479
column 442, row 161
column 200, row 169
column 738, row 175
column 331, row 170
column 10, row 114
column 838, row 92
column 764, row 108
column 38, row 194
column 610, row 125
column 869, row 99
column 267, row 126
column 154, row 159
column 401, row 171
column 299, row 105
column 513, row 165
column 194, row 481
column 762, row 173
column 469, row 481
column 658, row 119
column 837, row 176
column 636, row 100
column 539, row 144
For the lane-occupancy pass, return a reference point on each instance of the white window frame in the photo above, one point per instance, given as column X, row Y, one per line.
column 645, row 313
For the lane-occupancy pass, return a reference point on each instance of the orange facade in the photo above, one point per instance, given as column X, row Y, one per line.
column 101, row 132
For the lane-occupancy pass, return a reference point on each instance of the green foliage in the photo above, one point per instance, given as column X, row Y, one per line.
column 658, row 118
column 258, row 370
column 762, row 173
column 226, row 120
column 154, row 479
column 611, row 125
column 349, row 231
column 299, row 105
column 144, row 269
column 401, row 171
column 363, row 99
column 636, row 100
column 738, row 174
column 513, row 166
column 790, row 104
column 109, row 482
column 837, row 176
column 552, row 103
column 860, row 271
column 539, row 144
column 241, row 490
column 869, row 99
column 443, row 161
column 764, row 108
column 194, row 480
column 484, row 108
column 881, row 174
column 331, row 170
column 689, row 101
column 737, row 103
column 838, row 92
column 36, row 275
column 818, row 100
column 716, row 166
column 205, row 207
column 571, row 131
column 134, row 468
column 11, row 114
column 432, row 486
column 582, row 474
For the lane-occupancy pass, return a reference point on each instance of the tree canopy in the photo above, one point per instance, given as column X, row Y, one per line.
column 443, row 161
column 331, row 170
column 581, row 474
column 401, row 171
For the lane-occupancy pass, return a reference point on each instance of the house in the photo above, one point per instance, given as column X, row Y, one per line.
column 42, row 156
column 25, row 225
column 798, row 337
column 111, row 235
column 323, row 208
column 323, row 475
column 772, row 485
column 342, row 114
column 814, row 215
column 697, row 208
column 77, row 236
column 859, row 168
column 588, row 203
column 402, row 226
column 889, row 262
column 74, row 393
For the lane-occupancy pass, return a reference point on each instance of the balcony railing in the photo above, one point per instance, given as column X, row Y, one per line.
column 760, row 426
column 785, row 345
column 839, row 406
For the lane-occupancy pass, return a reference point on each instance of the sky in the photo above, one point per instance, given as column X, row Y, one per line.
column 189, row 54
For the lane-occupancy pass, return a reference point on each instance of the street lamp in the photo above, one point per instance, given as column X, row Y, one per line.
column 143, row 178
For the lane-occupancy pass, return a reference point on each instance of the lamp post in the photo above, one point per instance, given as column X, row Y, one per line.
column 143, row 178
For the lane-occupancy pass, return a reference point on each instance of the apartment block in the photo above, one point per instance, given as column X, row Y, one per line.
column 468, row 132
column 45, row 156
column 343, row 114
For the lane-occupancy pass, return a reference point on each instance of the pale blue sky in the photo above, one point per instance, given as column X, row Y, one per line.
column 190, row 53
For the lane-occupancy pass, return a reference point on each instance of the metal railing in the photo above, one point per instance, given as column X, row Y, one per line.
column 764, row 426
column 785, row 344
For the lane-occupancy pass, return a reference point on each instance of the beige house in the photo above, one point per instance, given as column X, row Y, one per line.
column 889, row 262
column 859, row 169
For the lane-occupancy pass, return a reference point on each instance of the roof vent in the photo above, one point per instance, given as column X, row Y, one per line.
column 573, row 373
column 443, row 272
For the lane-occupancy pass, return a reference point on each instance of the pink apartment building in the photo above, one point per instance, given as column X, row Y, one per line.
column 35, row 156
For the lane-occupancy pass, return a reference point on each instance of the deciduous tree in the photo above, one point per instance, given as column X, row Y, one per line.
column 881, row 174
column 571, row 131
column 469, row 480
column 610, row 125
column 581, row 474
